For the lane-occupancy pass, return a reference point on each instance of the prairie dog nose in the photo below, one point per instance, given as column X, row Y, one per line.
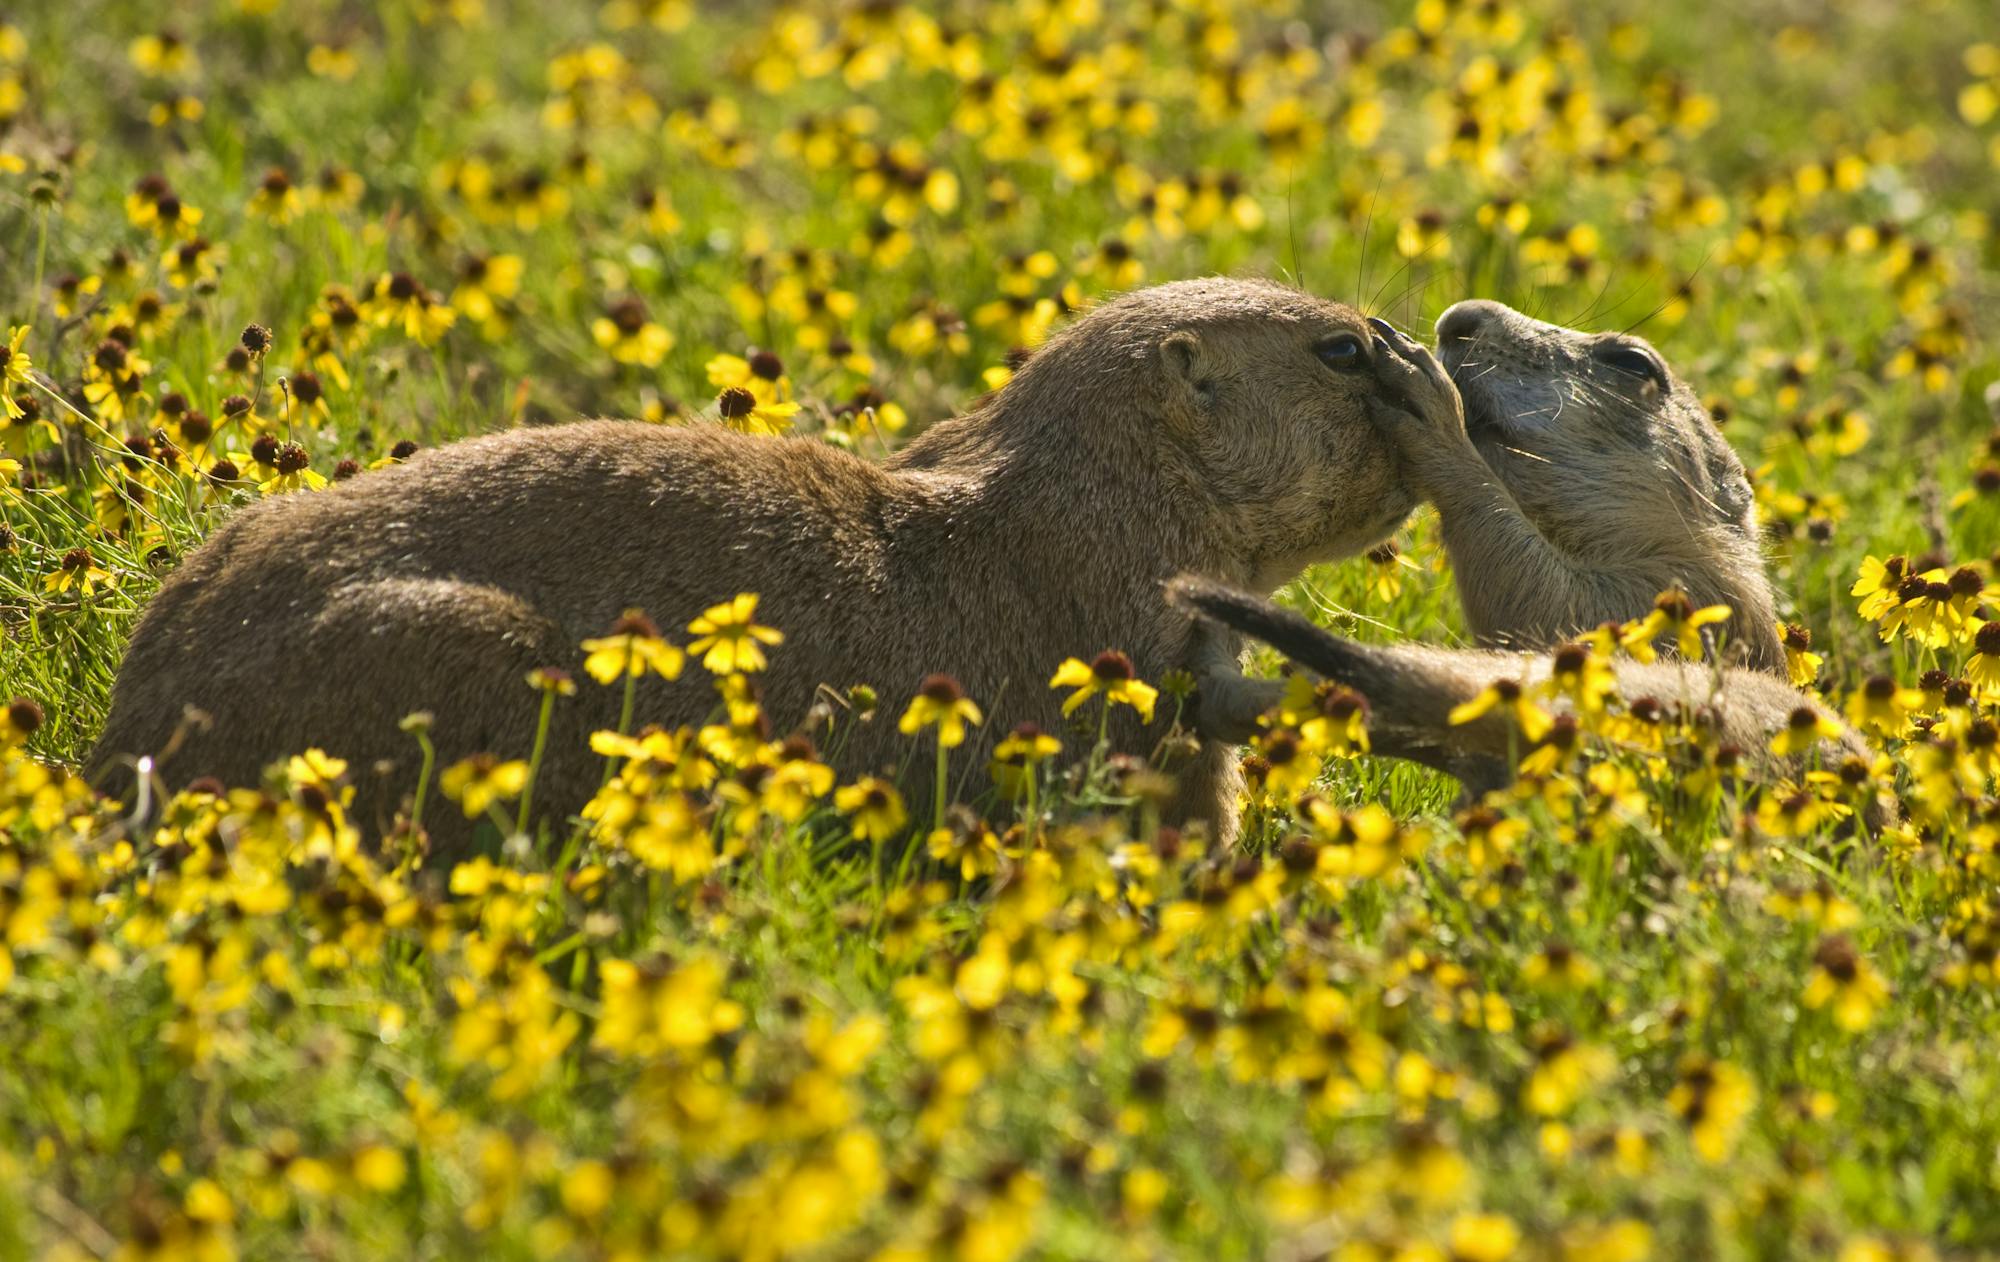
column 1462, row 321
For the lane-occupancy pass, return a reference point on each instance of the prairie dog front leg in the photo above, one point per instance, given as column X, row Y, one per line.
column 1517, row 586
column 1227, row 703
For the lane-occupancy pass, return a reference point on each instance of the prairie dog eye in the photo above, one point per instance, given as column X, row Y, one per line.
column 1343, row 352
column 1634, row 361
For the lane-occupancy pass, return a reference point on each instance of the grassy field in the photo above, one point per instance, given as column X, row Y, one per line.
column 1634, row 1008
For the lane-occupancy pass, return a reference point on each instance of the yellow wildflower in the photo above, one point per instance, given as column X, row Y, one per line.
column 1507, row 696
column 1801, row 663
column 728, row 637
column 632, row 648
column 1806, row 727
column 630, row 336
column 873, row 807
column 1018, row 756
column 942, row 703
column 1714, row 1099
column 1674, row 617
column 15, row 370
column 1110, row 673
column 398, row 299
column 482, row 781
column 1846, row 982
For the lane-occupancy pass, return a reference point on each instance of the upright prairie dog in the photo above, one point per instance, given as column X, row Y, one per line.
column 1224, row 427
column 1580, row 480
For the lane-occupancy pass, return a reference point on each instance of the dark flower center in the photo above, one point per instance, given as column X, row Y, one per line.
column 941, row 689
column 1112, row 666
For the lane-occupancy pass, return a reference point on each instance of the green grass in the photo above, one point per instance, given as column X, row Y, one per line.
column 239, row 1034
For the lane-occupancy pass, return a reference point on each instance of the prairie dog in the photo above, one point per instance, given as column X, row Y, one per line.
column 1579, row 480
column 1224, row 427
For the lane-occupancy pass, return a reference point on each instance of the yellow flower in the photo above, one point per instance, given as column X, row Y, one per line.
column 1801, row 663
column 632, row 648
column 485, row 281
column 479, row 782
column 291, row 469
column 1843, row 979
column 380, row 1168
column 152, row 203
column 276, row 200
column 1806, row 727
column 1334, row 719
column 796, row 782
column 1713, row 1098
column 1565, row 1071
column 1787, row 810
column 728, row 637
column 1931, row 606
column 1626, row 1240
column 1484, row 1237
column 1558, row 967
column 207, row 1202
column 741, row 410
column 1508, row 696
column 1290, row 764
column 21, row 719
column 15, row 367
column 550, row 680
column 969, row 845
column 941, row 702
column 1017, row 757
column 165, row 54
column 657, row 1006
column 763, row 374
column 1883, row 706
column 1983, row 670
column 1110, row 673
column 78, row 570
column 630, row 337
column 399, row 299
column 874, row 809
column 1674, row 617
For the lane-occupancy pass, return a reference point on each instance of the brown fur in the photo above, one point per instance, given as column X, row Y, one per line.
column 1188, row 427
column 1573, row 491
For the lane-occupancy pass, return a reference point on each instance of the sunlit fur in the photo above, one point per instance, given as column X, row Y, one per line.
column 1184, row 427
column 1613, row 487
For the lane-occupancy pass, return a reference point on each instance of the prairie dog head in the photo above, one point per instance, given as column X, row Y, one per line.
column 1592, row 433
column 1251, row 400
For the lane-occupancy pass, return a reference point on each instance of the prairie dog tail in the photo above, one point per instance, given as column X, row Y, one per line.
column 1411, row 690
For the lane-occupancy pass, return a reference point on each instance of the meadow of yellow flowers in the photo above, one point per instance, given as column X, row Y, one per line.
column 1642, row 1005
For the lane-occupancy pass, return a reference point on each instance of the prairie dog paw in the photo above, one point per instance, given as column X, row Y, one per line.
column 1419, row 406
column 1227, row 704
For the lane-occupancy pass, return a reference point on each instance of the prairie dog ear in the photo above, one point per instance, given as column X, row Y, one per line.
column 1184, row 371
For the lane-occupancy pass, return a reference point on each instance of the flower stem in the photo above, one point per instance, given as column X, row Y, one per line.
column 41, row 254
column 624, row 715
column 423, row 780
column 535, row 759
column 937, row 798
